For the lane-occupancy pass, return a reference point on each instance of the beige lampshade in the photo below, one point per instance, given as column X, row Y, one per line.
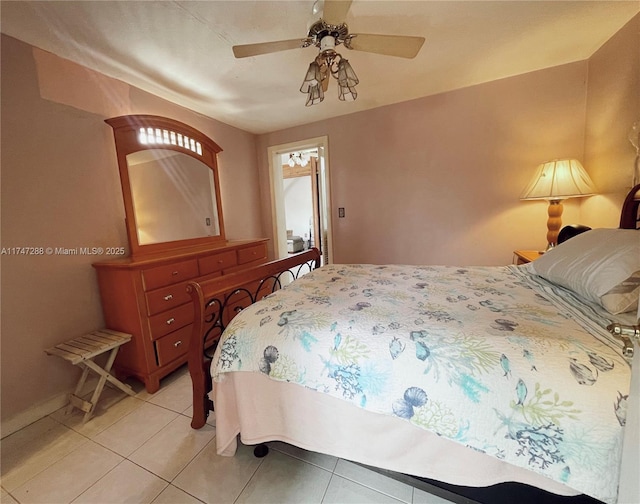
column 558, row 180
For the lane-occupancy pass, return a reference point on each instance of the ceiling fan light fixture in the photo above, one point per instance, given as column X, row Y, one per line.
column 315, row 81
column 301, row 158
column 327, row 33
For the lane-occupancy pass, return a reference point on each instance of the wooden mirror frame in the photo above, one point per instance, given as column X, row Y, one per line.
column 126, row 134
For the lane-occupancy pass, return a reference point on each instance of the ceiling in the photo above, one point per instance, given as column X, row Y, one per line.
column 181, row 50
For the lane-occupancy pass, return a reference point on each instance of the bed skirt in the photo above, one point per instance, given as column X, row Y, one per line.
column 271, row 410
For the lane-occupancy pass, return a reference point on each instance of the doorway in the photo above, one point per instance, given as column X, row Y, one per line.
column 299, row 176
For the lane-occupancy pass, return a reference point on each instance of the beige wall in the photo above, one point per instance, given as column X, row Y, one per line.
column 437, row 180
column 60, row 188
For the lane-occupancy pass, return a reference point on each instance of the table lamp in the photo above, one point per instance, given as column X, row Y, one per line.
column 555, row 181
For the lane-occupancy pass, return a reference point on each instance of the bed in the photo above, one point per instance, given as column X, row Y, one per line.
column 474, row 379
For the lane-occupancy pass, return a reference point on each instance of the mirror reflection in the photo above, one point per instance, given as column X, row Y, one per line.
column 173, row 196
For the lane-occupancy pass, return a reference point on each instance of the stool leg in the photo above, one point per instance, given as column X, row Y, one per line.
column 108, row 376
column 112, row 379
column 94, row 398
column 83, row 379
column 103, row 379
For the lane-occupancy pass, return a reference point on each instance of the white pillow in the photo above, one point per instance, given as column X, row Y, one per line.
column 624, row 296
column 599, row 265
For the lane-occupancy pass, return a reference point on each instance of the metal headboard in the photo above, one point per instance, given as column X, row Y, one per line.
column 630, row 214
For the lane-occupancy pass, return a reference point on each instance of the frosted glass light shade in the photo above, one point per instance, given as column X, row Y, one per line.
column 312, row 85
column 559, row 180
column 346, row 76
column 347, row 81
column 312, row 79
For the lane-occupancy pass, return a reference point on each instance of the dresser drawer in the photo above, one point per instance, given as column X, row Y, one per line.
column 217, row 262
column 166, row 322
column 162, row 299
column 174, row 345
column 250, row 254
column 235, row 305
column 170, row 274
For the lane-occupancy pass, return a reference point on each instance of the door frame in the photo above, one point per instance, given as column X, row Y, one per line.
column 278, row 220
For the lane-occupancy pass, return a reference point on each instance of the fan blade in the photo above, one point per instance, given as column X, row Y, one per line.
column 390, row 45
column 335, row 11
column 246, row 50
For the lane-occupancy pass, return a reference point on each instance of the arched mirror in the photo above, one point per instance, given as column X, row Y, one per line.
column 169, row 177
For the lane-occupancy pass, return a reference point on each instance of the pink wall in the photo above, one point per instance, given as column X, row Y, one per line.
column 61, row 188
column 613, row 105
column 437, row 180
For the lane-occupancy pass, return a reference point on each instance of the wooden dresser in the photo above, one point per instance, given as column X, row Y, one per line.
column 147, row 298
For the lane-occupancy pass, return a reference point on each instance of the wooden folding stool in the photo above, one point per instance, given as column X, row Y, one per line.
column 80, row 352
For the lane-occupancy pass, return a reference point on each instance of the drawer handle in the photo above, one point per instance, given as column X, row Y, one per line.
column 171, row 321
column 220, row 261
column 177, row 343
column 168, row 297
column 174, row 273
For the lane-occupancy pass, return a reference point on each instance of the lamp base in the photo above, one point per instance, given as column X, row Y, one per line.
column 554, row 222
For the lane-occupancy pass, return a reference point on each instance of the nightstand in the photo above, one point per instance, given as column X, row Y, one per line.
column 526, row 256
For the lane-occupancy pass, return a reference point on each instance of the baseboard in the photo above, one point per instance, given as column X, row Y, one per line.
column 39, row 411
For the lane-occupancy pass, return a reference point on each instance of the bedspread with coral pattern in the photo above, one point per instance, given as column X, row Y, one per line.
column 493, row 358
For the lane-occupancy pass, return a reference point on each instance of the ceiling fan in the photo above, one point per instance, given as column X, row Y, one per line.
column 327, row 33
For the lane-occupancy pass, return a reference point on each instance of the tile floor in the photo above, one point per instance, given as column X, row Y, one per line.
column 142, row 449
